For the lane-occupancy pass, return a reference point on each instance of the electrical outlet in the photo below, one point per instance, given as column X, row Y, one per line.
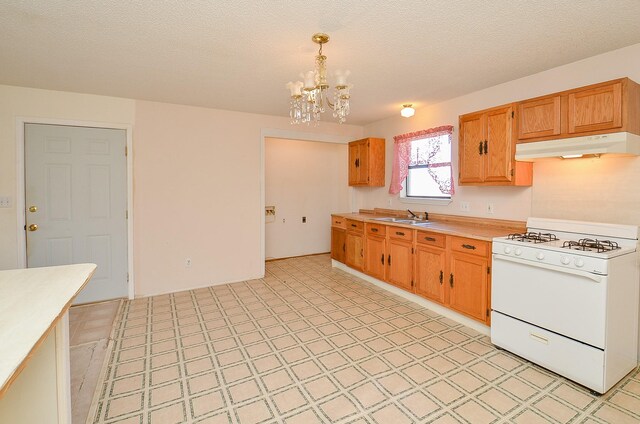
column 490, row 208
column 389, row 202
column 5, row 202
column 465, row 206
column 187, row 263
column 304, row 219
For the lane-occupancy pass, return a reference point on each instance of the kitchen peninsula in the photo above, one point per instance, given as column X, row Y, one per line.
column 34, row 342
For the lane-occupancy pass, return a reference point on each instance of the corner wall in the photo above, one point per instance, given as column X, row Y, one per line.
column 197, row 176
column 554, row 180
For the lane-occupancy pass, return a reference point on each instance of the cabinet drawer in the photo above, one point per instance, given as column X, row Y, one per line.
column 431, row 239
column 400, row 233
column 355, row 226
column 339, row 222
column 376, row 229
column 469, row 245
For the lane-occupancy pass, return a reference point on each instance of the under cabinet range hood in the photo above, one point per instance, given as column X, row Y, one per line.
column 620, row 143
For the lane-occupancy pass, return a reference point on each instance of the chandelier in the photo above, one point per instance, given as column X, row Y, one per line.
column 310, row 99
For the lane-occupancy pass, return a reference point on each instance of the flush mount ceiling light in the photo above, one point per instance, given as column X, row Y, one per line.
column 407, row 110
column 309, row 99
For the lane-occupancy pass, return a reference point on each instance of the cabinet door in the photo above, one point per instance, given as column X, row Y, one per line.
column 363, row 163
column 399, row 263
column 429, row 275
column 470, row 164
column 539, row 118
column 355, row 251
column 338, row 244
column 354, row 162
column 498, row 145
column 375, row 258
column 468, row 285
column 595, row 109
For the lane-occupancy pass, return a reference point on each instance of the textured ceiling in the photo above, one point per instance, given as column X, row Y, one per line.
column 238, row 55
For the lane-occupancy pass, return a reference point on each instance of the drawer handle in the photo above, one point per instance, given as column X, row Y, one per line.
column 469, row 246
column 354, row 225
column 399, row 233
column 375, row 230
column 539, row 338
column 430, row 238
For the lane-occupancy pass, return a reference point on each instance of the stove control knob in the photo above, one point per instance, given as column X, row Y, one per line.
column 564, row 260
column 507, row 249
column 579, row 263
column 518, row 251
column 539, row 256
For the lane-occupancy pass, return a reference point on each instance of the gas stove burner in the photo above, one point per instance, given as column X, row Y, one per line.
column 591, row 245
column 533, row 237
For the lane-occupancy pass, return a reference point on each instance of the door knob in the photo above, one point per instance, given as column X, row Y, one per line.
column 33, row 209
column 33, row 227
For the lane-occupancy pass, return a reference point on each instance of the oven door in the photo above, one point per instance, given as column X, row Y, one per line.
column 566, row 301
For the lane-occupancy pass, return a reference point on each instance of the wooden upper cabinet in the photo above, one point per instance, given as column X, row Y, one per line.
column 499, row 146
column 471, row 165
column 607, row 107
column 486, row 149
column 539, row 118
column 367, row 162
column 595, row 109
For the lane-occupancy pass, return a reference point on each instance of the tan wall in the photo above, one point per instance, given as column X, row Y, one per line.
column 197, row 194
column 309, row 179
column 197, row 182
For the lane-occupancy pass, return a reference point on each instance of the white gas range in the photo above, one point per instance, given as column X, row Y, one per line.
column 565, row 296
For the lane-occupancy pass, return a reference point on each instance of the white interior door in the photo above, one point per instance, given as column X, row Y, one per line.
column 76, row 201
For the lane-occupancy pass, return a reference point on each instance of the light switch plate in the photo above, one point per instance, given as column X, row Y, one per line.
column 5, row 202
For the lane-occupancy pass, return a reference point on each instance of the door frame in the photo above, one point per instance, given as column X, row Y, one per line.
column 290, row 135
column 21, row 121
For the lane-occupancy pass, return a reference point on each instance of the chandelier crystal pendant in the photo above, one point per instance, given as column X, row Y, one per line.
column 310, row 99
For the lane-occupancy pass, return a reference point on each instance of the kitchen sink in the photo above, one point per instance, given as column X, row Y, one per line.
column 387, row 219
column 419, row 223
column 422, row 224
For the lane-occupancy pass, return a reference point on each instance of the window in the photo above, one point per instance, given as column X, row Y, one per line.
column 422, row 164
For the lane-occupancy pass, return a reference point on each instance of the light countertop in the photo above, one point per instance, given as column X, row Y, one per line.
column 476, row 228
column 32, row 301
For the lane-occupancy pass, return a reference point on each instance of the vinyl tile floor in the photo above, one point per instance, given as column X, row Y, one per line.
column 312, row 344
column 89, row 330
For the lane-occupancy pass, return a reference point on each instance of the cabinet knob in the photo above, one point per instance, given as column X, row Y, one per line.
column 33, row 227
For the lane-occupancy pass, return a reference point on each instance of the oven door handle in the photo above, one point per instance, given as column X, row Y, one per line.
column 594, row 277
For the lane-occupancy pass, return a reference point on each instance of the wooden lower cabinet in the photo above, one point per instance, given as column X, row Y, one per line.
column 375, row 246
column 468, row 280
column 338, row 244
column 400, row 263
column 430, row 265
column 355, row 251
column 450, row 270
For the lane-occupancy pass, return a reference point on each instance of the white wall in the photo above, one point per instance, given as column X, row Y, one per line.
column 514, row 202
column 303, row 178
